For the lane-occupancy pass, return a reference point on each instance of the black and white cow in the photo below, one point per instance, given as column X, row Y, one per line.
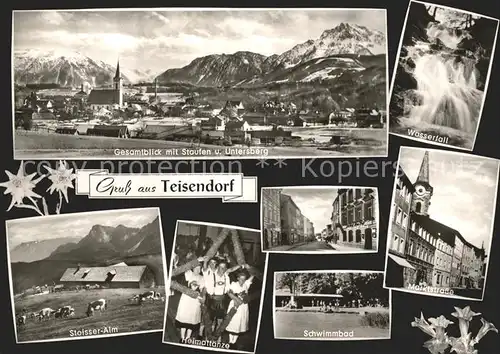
column 21, row 320
column 98, row 305
column 45, row 313
column 148, row 295
column 64, row 312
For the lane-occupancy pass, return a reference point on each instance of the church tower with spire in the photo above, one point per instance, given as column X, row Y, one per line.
column 421, row 200
column 118, row 85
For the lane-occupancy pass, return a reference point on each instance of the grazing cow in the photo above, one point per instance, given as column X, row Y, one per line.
column 58, row 288
column 64, row 312
column 98, row 305
column 148, row 295
column 21, row 320
column 32, row 315
column 134, row 298
column 45, row 313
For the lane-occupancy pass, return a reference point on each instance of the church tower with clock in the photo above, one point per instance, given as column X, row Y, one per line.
column 421, row 200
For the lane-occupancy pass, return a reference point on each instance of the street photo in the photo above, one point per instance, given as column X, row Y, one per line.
column 86, row 275
column 441, row 78
column 200, row 83
column 441, row 223
column 217, row 277
column 319, row 219
column 331, row 305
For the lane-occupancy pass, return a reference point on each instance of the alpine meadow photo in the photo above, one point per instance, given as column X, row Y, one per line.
column 217, row 277
column 441, row 223
column 200, row 83
column 86, row 275
column 331, row 305
column 442, row 74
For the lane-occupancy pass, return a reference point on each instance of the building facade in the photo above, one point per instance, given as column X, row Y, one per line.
column 271, row 217
column 423, row 251
column 478, row 268
column 456, row 264
column 299, row 235
column 308, row 229
column 441, row 277
column 421, row 248
column 291, row 221
column 466, row 265
column 354, row 218
column 400, row 214
column 398, row 268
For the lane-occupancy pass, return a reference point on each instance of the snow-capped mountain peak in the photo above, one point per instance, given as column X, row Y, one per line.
column 345, row 38
column 66, row 68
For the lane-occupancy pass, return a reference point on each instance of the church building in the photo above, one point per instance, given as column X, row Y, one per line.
column 423, row 250
column 108, row 98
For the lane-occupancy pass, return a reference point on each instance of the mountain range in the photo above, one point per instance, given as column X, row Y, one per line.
column 69, row 69
column 36, row 250
column 243, row 68
column 102, row 243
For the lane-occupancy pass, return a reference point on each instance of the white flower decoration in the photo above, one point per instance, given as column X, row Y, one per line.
column 62, row 179
column 20, row 186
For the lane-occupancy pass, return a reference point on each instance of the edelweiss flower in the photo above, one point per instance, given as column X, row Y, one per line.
column 464, row 316
column 62, row 179
column 20, row 186
column 485, row 328
column 423, row 325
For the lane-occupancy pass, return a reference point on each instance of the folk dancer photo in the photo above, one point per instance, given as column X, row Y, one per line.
column 239, row 290
column 188, row 317
column 217, row 286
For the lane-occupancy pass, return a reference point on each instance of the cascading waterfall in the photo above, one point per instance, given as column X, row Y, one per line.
column 446, row 83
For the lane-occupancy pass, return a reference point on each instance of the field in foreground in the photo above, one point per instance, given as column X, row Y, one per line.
column 121, row 315
column 38, row 145
column 293, row 324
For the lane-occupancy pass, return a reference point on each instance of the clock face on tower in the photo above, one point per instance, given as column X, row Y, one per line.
column 420, row 190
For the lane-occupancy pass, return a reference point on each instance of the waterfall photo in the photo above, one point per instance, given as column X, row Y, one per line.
column 441, row 77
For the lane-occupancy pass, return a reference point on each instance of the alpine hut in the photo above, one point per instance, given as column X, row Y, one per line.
column 116, row 276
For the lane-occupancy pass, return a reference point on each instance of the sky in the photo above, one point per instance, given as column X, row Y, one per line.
column 464, row 190
column 314, row 203
column 160, row 40
column 74, row 225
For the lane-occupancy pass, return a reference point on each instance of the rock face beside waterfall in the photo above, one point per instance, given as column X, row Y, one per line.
column 479, row 44
column 416, row 24
column 471, row 47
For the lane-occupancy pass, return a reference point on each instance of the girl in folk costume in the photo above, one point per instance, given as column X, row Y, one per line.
column 239, row 290
column 188, row 317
